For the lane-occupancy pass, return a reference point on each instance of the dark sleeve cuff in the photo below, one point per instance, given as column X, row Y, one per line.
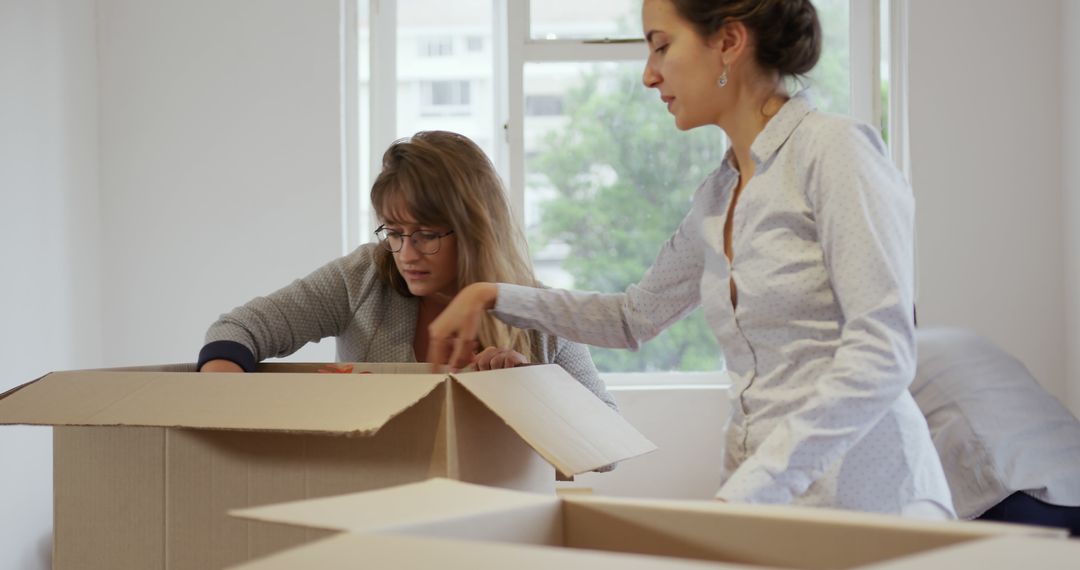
column 227, row 350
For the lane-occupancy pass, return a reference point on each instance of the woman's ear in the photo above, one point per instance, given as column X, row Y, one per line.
column 730, row 42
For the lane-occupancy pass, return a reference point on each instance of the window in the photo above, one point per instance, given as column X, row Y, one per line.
column 444, row 97
column 543, row 105
column 594, row 165
column 402, row 90
column 436, row 47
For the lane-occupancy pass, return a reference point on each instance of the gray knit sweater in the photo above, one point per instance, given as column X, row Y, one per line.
column 372, row 322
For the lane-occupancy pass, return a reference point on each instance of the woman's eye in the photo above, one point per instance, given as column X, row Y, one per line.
column 662, row 48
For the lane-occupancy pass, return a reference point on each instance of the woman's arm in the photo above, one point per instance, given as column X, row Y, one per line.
column 318, row 306
column 668, row 291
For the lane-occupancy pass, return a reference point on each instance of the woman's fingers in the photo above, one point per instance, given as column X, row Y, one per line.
column 510, row 359
column 483, row 360
column 493, row 358
column 463, row 354
column 454, row 331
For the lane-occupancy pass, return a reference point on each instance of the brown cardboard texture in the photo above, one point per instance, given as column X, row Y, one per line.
column 469, row 526
column 147, row 461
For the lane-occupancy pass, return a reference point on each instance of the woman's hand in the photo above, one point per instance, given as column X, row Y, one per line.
column 221, row 365
column 493, row 358
column 452, row 332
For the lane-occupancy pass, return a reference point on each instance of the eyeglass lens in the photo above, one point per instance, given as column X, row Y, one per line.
column 424, row 241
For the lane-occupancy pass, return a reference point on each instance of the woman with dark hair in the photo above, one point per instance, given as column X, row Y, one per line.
column 798, row 247
column 445, row 223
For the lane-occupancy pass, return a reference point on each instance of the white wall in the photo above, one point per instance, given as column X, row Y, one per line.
column 1070, row 157
column 985, row 104
column 219, row 179
column 690, row 449
column 220, row 162
column 49, row 296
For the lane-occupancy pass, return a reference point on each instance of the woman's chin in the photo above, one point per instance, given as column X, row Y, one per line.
column 685, row 124
column 424, row 290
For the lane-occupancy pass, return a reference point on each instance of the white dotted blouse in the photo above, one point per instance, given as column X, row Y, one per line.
column 820, row 346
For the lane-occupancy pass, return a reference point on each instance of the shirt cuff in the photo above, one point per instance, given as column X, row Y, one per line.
column 227, row 350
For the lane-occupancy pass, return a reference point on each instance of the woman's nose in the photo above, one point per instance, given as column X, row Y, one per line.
column 650, row 78
column 408, row 249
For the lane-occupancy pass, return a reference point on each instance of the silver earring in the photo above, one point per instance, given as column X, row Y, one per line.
column 722, row 81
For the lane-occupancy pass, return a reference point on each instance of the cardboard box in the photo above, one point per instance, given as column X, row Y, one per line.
column 448, row 524
column 147, row 461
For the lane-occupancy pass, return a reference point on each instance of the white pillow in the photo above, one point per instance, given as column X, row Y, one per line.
column 997, row 431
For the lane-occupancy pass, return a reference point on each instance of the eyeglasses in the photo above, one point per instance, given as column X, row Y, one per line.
column 426, row 242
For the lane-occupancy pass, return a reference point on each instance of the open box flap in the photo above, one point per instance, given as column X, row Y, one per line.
column 561, row 419
column 816, row 515
column 323, row 403
column 414, row 504
column 748, row 534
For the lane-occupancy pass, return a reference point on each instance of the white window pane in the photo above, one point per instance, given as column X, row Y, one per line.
column 363, row 138
column 444, row 71
column 435, row 46
column 445, row 97
column 577, row 19
column 544, row 105
column 884, row 36
column 607, row 182
column 831, row 79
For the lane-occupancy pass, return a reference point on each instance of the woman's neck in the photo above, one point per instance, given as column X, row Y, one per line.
column 430, row 307
column 755, row 105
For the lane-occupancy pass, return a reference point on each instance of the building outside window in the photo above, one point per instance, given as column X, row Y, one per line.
column 441, row 46
column 444, row 97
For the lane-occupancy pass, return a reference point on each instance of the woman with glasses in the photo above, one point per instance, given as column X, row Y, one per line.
column 799, row 249
column 445, row 224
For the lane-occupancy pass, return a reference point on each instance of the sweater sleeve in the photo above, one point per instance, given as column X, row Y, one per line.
column 317, row 306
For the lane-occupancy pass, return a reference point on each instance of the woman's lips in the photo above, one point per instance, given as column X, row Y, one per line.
column 414, row 274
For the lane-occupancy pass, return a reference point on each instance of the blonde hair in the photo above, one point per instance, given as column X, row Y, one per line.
column 445, row 179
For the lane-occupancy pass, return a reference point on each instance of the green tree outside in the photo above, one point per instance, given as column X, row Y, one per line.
column 624, row 176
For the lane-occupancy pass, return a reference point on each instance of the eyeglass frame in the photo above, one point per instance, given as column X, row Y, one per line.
column 386, row 242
